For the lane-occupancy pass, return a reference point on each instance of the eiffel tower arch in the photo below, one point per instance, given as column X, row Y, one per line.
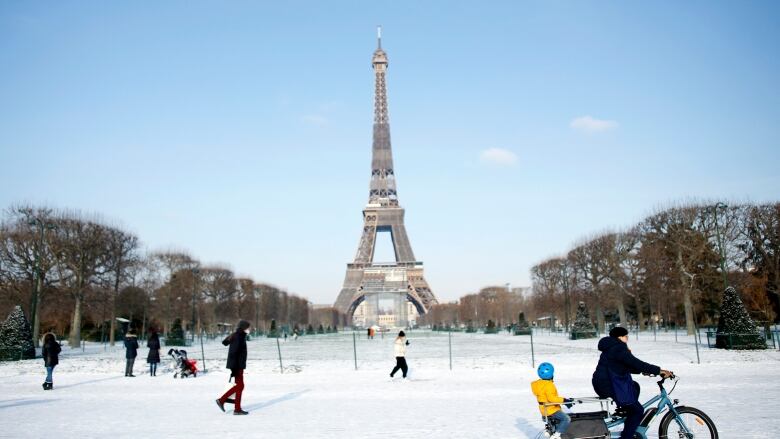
column 367, row 282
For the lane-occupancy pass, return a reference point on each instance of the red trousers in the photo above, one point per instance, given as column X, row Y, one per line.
column 237, row 389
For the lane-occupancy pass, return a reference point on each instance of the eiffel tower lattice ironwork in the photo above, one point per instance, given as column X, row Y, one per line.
column 383, row 214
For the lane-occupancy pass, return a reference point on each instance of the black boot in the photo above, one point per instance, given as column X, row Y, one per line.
column 45, row 386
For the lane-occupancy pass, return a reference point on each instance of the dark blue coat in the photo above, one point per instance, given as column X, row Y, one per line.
column 131, row 346
column 237, row 352
column 51, row 353
column 612, row 378
column 154, row 349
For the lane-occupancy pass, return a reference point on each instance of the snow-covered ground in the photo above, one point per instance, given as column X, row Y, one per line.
column 321, row 395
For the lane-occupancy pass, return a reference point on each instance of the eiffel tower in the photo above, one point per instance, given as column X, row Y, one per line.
column 403, row 279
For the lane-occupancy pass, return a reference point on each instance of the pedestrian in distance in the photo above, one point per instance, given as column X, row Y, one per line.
column 399, row 348
column 236, row 362
column 154, row 352
column 612, row 378
column 131, row 351
column 51, row 357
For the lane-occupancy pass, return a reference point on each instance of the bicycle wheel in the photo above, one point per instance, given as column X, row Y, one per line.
column 698, row 423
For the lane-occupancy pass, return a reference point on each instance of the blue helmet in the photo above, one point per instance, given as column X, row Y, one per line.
column 546, row 371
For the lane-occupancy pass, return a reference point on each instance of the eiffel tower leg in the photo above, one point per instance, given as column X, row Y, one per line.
column 403, row 250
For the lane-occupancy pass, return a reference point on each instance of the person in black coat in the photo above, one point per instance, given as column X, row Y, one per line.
column 154, row 352
column 612, row 377
column 131, row 351
column 51, row 357
column 236, row 362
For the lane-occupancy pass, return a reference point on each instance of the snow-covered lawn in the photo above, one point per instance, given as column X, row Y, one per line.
column 321, row 395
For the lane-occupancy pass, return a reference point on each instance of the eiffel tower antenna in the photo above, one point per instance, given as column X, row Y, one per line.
column 379, row 36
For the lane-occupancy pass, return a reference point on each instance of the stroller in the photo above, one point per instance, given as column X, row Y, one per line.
column 183, row 366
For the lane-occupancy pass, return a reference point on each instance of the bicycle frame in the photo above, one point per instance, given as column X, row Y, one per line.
column 664, row 403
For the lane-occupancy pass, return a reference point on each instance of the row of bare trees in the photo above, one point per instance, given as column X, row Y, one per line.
column 673, row 266
column 499, row 304
column 74, row 273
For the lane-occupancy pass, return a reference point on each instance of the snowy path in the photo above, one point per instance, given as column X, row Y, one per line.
column 322, row 396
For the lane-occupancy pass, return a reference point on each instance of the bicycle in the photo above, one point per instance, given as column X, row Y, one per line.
column 678, row 421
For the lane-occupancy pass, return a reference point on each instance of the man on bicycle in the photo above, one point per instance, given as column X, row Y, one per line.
column 612, row 378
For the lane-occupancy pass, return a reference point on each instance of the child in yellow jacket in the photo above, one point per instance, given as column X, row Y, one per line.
column 545, row 392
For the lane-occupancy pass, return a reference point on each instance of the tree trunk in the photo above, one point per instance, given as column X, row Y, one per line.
column 622, row 310
column 112, row 326
column 75, row 328
column 36, row 324
column 687, row 300
column 599, row 315
column 640, row 313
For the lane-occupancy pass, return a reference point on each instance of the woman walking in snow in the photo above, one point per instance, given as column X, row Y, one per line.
column 51, row 357
column 131, row 351
column 154, row 352
column 236, row 362
column 399, row 347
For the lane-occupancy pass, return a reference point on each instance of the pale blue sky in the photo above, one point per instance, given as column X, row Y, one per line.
column 241, row 131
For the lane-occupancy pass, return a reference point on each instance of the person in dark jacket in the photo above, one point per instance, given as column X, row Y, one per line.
column 154, row 352
column 236, row 362
column 612, row 377
column 131, row 351
column 51, row 357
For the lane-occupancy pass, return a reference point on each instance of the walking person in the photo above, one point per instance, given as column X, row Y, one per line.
column 51, row 357
column 131, row 351
column 399, row 348
column 236, row 362
column 154, row 352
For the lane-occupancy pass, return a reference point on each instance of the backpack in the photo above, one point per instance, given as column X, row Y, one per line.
column 624, row 389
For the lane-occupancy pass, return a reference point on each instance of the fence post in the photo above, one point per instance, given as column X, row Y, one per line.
column 655, row 336
column 533, row 360
column 696, row 342
column 202, row 352
column 449, row 333
column 675, row 334
column 354, row 348
column 279, row 349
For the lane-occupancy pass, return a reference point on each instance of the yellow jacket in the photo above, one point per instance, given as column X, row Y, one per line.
column 546, row 392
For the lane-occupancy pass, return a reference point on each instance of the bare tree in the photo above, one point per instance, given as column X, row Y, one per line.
column 122, row 255
column 762, row 249
column 83, row 246
column 591, row 263
column 26, row 255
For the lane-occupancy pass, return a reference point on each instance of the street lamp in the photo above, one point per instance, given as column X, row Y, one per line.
column 714, row 209
column 195, row 273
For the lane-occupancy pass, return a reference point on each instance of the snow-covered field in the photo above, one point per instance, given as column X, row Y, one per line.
column 321, row 395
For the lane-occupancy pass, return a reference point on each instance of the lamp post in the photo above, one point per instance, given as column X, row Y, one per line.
column 257, row 292
column 195, row 273
column 715, row 208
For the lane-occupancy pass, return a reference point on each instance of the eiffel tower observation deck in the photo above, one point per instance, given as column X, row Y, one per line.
column 368, row 281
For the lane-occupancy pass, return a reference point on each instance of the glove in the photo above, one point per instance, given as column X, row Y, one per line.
column 568, row 402
column 407, row 342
